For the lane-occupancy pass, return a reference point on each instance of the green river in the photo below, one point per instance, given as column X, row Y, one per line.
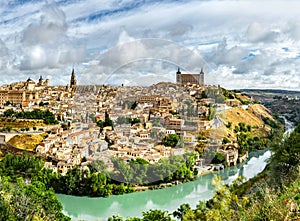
column 133, row 204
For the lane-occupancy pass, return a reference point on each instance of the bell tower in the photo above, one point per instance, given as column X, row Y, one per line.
column 73, row 80
column 178, row 76
column 201, row 77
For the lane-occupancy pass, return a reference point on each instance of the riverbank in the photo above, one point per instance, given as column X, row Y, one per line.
column 205, row 171
column 133, row 204
column 201, row 171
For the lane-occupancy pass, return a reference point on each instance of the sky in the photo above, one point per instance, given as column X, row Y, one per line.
column 239, row 44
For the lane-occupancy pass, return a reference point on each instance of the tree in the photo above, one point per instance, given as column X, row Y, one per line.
column 28, row 202
column 98, row 166
column 242, row 127
column 133, row 106
column 242, row 141
column 115, row 218
column 285, row 159
column 182, row 211
column 9, row 128
column 211, row 113
column 229, row 124
column 236, row 129
column 64, row 126
column 170, row 140
column 156, row 215
column 225, row 140
column 125, row 172
column 218, row 158
column 203, row 94
column 135, row 121
column 9, row 113
column 107, row 122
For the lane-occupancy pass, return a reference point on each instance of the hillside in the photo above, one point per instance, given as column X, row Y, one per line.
column 26, row 141
column 253, row 116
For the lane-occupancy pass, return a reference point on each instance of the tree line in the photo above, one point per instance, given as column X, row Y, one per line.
column 96, row 180
column 38, row 114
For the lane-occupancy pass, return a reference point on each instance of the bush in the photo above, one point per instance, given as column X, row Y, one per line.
column 229, row 124
column 225, row 140
column 9, row 128
column 218, row 158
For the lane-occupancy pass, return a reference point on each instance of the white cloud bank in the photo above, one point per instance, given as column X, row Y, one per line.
column 245, row 44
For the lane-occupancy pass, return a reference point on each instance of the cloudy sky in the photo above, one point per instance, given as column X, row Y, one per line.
column 240, row 44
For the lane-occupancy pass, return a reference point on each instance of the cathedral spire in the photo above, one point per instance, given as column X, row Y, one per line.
column 73, row 79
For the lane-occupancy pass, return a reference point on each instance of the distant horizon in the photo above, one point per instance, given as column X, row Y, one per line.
column 173, row 82
column 258, row 89
column 119, row 85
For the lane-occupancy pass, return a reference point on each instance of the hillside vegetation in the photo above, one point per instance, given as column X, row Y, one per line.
column 252, row 116
column 256, row 118
column 26, row 141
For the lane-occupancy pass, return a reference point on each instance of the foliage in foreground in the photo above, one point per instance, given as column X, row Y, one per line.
column 21, row 201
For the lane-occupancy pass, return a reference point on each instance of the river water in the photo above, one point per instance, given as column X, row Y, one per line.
column 133, row 204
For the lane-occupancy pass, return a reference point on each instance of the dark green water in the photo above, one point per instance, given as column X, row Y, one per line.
column 84, row 208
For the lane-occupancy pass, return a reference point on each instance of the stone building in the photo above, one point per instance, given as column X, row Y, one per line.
column 13, row 96
column 184, row 79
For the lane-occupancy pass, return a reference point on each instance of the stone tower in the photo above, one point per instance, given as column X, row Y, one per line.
column 201, row 77
column 41, row 81
column 73, row 80
column 178, row 76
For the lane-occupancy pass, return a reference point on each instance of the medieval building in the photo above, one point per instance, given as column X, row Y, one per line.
column 184, row 79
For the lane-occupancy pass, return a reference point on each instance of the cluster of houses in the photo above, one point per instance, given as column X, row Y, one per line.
column 141, row 116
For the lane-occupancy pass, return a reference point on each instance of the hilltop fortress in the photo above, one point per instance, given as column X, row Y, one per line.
column 185, row 79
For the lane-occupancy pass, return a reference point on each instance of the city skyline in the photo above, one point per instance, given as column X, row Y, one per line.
column 252, row 44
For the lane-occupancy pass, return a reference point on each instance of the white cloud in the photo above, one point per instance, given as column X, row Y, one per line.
column 46, row 45
column 258, row 32
column 99, row 37
column 50, row 29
